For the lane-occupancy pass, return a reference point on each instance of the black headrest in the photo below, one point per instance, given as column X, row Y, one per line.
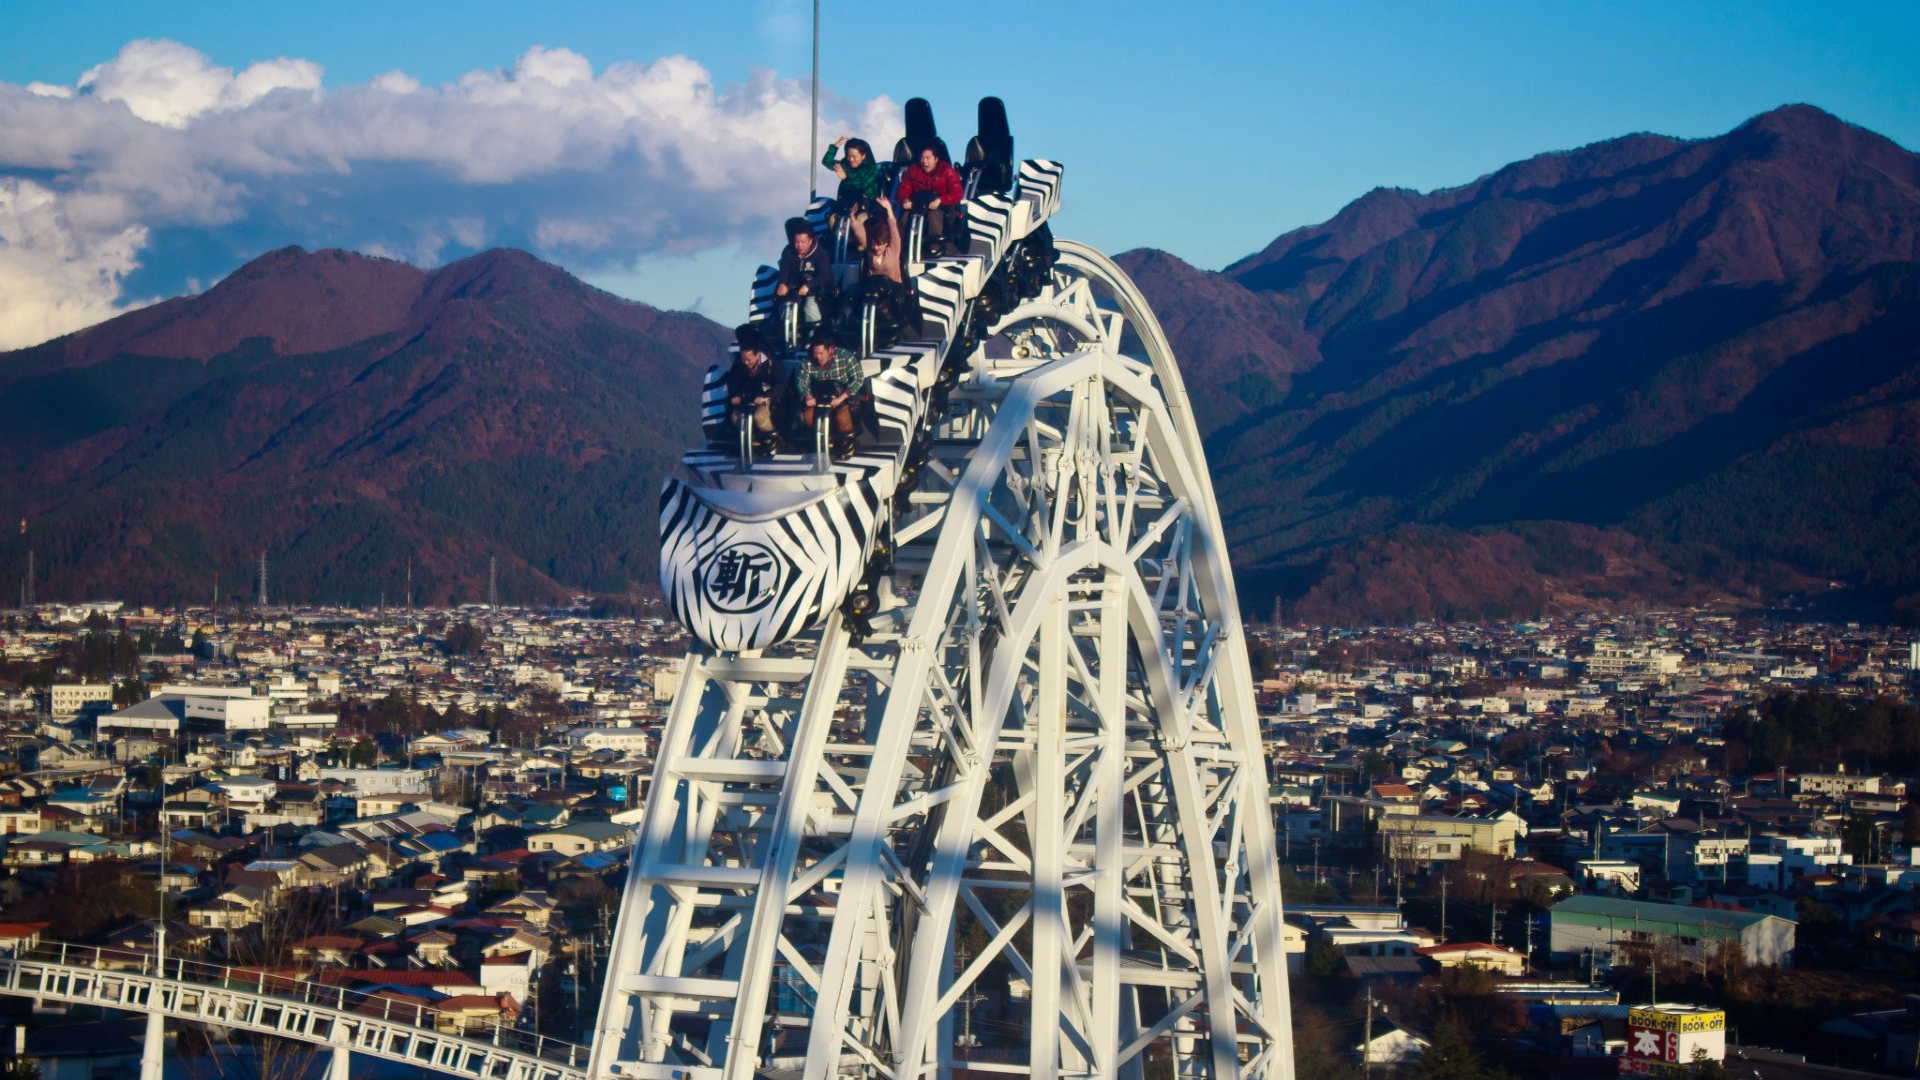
column 919, row 123
column 995, row 136
column 748, row 336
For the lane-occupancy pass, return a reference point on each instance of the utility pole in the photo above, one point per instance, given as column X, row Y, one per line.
column 972, row 998
column 1493, row 924
column 160, row 927
column 1443, row 907
column 1316, row 860
column 1366, row 1040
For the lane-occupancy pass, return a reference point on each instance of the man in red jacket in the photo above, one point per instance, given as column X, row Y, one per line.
column 932, row 185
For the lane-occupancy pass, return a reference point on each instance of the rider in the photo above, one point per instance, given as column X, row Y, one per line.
column 932, row 184
column 859, row 182
column 752, row 384
column 831, row 378
column 806, row 271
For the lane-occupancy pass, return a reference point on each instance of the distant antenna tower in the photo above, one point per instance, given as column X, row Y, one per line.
column 409, row 586
column 263, row 579
column 26, row 583
column 493, row 584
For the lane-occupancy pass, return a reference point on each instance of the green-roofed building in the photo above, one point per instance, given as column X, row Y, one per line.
column 1613, row 931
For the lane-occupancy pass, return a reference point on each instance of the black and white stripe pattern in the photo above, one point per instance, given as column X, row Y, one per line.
column 713, row 403
column 816, row 216
column 814, row 531
column 943, row 296
column 989, row 224
column 1040, row 184
column 897, row 402
column 760, row 307
column 818, row 550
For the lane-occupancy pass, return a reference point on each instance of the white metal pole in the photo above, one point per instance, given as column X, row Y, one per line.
column 813, row 135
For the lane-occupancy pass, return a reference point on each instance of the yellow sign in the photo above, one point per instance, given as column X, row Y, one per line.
column 1666, row 1020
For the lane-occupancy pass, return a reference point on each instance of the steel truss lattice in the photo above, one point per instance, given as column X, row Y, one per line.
column 1044, row 768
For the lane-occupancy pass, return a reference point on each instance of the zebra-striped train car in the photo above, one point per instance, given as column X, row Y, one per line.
column 753, row 554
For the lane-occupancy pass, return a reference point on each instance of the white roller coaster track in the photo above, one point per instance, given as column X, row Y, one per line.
column 1043, row 768
column 334, row 1017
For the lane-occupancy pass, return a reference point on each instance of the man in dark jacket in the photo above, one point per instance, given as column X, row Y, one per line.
column 752, row 384
column 806, row 271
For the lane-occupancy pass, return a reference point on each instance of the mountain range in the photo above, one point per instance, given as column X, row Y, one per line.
column 346, row 414
column 1650, row 370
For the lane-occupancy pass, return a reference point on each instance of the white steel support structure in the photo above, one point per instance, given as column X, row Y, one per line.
column 1043, row 770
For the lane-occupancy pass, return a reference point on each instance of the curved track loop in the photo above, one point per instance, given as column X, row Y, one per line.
column 1046, row 770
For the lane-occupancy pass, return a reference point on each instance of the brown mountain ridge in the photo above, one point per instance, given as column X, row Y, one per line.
column 344, row 414
column 1648, row 369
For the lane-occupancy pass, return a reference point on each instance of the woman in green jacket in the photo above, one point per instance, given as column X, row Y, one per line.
column 852, row 161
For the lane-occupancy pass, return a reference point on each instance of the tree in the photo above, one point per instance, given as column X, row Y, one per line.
column 1705, row 1068
column 1856, row 838
column 268, row 945
column 1451, row 1057
column 1326, row 960
column 129, row 692
column 464, row 639
column 363, row 754
column 1910, row 828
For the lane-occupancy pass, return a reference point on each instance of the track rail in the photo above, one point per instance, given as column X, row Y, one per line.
column 286, row 1006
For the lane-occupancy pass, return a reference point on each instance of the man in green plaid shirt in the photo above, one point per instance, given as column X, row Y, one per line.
column 832, row 378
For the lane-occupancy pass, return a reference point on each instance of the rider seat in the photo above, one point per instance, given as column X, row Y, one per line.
column 989, row 167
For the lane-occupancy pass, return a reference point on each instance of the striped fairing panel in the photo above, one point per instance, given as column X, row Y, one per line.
column 922, row 358
column 943, row 295
column 750, row 584
column 896, row 400
column 989, row 223
column 1040, row 182
column 764, row 281
column 817, row 217
column 713, row 402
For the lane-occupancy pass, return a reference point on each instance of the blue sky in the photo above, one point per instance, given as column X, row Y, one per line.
column 1203, row 129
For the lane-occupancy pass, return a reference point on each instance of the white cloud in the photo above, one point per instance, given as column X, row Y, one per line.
column 167, row 83
column 594, row 169
column 395, row 82
column 54, row 276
